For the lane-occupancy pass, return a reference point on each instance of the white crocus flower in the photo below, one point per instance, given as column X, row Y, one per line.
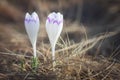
column 32, row 28
column 54, row 25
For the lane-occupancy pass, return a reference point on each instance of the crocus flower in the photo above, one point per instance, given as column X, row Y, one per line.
column 54, row 25
column 32, row 28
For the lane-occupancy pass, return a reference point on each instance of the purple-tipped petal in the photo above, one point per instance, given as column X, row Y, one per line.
column 54, row 25
column 55, row 18
column 32, row 26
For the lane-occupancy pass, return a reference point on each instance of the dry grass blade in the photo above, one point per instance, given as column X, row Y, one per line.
column 90, row 44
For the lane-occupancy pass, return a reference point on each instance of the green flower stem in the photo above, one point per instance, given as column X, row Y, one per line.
column 35, row 63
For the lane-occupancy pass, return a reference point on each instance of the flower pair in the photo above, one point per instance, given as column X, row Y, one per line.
column 54, row 25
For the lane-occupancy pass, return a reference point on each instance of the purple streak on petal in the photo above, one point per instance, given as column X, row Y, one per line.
column 58, row 22
column 50, row 20
column 30, row 20
column 54, row 21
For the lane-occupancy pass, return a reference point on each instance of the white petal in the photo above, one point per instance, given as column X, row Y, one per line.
column 54, row 29
column 52, row 15
column 27, row 16
column 32, row 27
column 36, row 18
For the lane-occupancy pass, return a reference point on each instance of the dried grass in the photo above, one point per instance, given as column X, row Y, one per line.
column 71, row 63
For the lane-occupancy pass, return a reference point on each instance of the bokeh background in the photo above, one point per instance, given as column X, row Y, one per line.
column 91, row 17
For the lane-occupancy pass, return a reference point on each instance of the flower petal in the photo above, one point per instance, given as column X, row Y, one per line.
column 32, row 26
column 54, row 27
column 27, row 17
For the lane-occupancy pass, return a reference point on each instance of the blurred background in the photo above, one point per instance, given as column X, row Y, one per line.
column 91, row 17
